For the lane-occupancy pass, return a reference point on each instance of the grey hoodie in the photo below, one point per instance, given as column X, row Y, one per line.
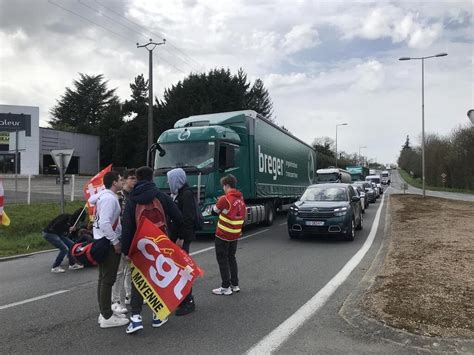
column 176, row 180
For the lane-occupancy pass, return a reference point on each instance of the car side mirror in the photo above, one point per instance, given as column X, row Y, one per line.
column 355, row 198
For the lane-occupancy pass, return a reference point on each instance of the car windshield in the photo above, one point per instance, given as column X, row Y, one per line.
column 325, row 194
column 188, row 154
column 328, row 177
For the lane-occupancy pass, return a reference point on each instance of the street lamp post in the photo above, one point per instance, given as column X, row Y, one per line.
column 360, row 157
column 340, row 124
column 423, row 109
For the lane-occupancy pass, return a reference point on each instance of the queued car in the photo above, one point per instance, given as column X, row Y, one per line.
column 370, row 192
column 326, row 209
column 375, row 179
column 364, row 202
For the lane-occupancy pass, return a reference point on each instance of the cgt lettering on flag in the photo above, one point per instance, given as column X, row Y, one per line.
column 162, row 272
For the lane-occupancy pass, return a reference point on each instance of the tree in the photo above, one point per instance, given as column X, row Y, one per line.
column 216, row 91
column 82, row 108
column 325, row 156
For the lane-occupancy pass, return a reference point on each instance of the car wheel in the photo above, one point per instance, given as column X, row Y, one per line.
column 270, row 213
column 351, row 232
column 359, row 226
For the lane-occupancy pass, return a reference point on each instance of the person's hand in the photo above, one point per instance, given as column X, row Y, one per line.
column 180, row 242
column 118, row 248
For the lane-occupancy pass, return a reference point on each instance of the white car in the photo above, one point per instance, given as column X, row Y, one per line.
column 377, row 180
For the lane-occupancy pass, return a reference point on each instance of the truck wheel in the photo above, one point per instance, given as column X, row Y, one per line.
column 270, row 214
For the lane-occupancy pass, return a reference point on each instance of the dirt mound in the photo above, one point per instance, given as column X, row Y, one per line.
column 426, row 285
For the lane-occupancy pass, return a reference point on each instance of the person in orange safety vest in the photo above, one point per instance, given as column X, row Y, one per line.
column 231, row 210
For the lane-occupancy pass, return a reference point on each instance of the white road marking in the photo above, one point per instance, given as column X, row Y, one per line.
column 279, row 335
column 283, row 224
column 211, row 248
column 33, row 299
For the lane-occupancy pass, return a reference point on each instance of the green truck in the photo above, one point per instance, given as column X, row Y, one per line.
column 358, row 173
column 272, row 167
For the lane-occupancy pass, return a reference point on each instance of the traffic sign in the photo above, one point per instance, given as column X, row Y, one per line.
column 62, row 157
column 443, row 175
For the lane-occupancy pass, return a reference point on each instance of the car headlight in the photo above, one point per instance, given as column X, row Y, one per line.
column 339, row 212
column 208, row 210
column 294, row 210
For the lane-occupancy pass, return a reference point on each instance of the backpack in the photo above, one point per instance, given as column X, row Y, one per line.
column 199, row 220
column 82, row 253
column 152, row 211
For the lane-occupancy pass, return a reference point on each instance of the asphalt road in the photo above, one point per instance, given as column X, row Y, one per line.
column 397, row 182
column 278, row 276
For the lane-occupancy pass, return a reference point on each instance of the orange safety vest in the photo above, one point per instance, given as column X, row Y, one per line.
column 229, row 226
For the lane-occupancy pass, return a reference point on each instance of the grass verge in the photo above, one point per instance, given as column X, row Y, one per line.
column 426, row 283
column 417, row 182
column 24, row 233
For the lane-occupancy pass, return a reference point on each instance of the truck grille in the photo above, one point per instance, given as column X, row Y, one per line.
column 193, row 189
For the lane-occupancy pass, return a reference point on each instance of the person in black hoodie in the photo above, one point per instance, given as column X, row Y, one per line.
column 56, row 233
column 143, row 193
column 184, row 197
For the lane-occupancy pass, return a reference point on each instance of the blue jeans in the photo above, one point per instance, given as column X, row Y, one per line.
column 64, row 245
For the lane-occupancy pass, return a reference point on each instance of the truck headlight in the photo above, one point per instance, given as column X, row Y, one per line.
column 208, row 210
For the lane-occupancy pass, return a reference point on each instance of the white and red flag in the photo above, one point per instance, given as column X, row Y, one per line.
column 94, row 186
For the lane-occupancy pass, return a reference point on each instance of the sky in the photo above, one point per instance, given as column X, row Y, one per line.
column 323, row 62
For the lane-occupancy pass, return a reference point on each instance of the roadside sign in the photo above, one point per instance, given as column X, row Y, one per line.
column 443, row 175
column 62, row 157
column 66, row 155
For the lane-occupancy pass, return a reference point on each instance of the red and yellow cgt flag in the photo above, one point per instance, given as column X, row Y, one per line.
column 4, row 220
column 162, row 272
column 94, row 186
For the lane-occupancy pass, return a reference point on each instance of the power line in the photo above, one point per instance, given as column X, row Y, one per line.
column 158, row 35
column 128, row 39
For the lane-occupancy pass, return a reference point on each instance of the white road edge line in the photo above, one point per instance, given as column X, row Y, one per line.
column 33, row 299
column 283, row 224
column 64, row 291
column 210, row 248
column 282, row 333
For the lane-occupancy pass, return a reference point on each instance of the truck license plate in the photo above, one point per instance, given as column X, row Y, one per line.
column 315, row 223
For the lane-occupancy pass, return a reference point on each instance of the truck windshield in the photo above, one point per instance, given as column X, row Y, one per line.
column 328, row 177
column 188, row 154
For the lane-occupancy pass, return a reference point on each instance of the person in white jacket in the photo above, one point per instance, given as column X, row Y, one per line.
column 107, row 225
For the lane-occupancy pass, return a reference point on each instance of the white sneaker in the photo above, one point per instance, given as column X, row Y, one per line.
column 222, row 291
column 114, row 321
column 76, row 267
column 57, row 270
column 235, row 289
column 117, row 314
column 118, row 308
column 135, row 324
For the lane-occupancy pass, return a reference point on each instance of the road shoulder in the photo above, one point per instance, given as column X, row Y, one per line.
column 353, row 312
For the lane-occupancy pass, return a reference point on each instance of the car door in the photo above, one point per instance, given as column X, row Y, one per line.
column 355, row 205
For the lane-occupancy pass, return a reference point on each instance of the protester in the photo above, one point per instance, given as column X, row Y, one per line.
column 122, row 289
column 56, row 234
column 107, row 225
column 183, row 237
column 144, row 192
column 231, row 210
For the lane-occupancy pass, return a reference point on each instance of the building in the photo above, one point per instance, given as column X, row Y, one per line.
column 35, row 144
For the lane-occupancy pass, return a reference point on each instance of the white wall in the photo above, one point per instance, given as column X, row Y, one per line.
column 29, row 146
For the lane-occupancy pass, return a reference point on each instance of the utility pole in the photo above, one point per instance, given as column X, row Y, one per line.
column 150, row 46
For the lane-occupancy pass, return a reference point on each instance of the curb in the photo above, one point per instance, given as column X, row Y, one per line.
column 353, row 313
column 19, row 256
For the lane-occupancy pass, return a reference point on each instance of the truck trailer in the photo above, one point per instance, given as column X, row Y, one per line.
column 272, row 167
column 358, row 173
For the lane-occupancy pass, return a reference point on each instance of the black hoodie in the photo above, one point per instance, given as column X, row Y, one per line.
column 144, row 192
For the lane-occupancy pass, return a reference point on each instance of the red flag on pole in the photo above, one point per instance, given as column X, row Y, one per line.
column 94, row 186
column 162, row 272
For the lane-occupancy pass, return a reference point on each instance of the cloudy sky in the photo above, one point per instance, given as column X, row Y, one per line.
column 323, row 62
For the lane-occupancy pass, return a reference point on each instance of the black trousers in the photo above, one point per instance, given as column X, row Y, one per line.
column 107, row 275
column 137, row 300
column 225, row 254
